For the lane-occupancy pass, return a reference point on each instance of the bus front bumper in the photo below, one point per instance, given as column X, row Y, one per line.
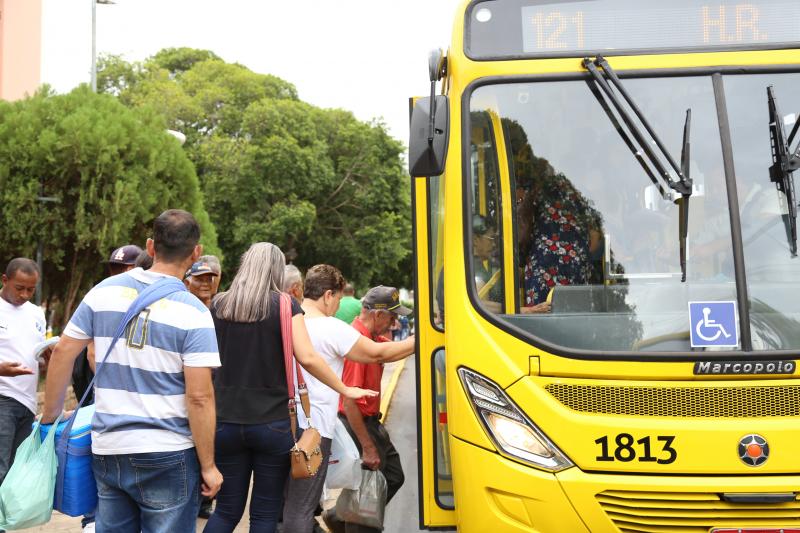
column 496, row 494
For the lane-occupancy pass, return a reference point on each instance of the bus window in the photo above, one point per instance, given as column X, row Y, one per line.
column 444, row 477
column 436, row 239
column 486, row 214
column 773, row 274
column 597, row 247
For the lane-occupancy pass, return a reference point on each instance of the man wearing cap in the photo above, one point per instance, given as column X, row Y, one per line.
column 123, row 259
column 380, row 307
column 213, row 262
column 200, row 282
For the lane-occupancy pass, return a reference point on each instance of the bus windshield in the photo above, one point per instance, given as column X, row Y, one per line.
column 595, row 247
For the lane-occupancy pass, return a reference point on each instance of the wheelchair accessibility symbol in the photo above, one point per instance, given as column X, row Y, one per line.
column 713, row 324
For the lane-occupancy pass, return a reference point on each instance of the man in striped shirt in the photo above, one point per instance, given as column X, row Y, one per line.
column 153, row 429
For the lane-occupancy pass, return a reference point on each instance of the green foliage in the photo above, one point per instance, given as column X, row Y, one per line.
column 273, row 168
column 111, row 170
column 178, row 60
column 114, row 74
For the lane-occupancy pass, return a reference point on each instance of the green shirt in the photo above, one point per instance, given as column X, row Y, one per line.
column 349, row 309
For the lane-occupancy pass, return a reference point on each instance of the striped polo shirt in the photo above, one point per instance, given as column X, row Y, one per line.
column 140, row 392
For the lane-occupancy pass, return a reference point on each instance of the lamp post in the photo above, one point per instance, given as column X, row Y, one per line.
column 94, row 40
column 40, row 246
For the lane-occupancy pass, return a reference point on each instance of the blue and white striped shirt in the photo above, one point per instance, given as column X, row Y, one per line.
column 140, row 403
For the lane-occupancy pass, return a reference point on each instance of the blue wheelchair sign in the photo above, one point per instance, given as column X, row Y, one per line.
column 713, row 324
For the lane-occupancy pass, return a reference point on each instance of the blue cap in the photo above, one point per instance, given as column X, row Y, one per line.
column 199, row 269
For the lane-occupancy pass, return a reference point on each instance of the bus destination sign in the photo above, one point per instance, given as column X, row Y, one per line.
column 674, row 24
column 591, row 26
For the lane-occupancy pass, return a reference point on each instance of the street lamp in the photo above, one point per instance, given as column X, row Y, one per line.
column 39, row 246
column 94, row 40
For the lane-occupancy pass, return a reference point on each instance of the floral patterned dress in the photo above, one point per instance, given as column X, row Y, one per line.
column 558, row 253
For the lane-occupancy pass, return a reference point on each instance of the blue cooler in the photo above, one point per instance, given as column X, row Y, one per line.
column 76, row 490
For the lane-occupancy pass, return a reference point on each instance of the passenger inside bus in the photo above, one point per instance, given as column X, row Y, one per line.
column 488, row 275
column 560, row 233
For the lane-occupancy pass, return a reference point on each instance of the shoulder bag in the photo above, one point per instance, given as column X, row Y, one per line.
column 306, row 454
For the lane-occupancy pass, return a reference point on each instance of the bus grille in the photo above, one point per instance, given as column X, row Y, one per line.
column 676, row 512
column 695, row 402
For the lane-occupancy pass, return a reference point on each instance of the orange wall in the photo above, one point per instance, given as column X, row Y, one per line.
column 20, row 47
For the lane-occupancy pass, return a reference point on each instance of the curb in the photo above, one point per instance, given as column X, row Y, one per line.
column 386, row 399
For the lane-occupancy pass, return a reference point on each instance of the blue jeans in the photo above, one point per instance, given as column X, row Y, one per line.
column 242, row 451
column 16, row 423
column 147, row 492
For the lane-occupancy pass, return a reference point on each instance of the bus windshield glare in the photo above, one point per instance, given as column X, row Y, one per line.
column 594, row 242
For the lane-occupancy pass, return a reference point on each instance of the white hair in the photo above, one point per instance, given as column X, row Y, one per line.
column 250, row 297
column 291, row 275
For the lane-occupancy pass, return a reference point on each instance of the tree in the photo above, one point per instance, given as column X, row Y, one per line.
column 314, row 181
column 111, row 170
column 179, row 60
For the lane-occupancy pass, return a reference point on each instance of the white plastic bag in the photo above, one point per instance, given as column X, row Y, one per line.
column 344, row 464
column 366, row 505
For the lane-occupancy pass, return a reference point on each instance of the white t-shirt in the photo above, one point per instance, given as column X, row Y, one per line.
column 332, row 339
column 21, row 329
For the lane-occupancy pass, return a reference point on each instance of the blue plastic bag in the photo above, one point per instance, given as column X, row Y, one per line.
column 26, row 495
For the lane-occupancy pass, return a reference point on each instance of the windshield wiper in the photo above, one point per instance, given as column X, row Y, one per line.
column 683, row 183
column 784, row 163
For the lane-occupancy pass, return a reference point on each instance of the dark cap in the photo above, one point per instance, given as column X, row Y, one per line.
column 125, row 255
column 199, row 269
column 384, row 299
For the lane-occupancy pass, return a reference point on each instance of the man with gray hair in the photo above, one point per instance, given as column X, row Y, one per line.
column 293, row 282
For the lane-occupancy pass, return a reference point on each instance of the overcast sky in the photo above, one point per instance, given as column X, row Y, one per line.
column 367, row 56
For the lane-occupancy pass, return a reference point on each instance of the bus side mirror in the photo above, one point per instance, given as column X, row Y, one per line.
column 427, row 150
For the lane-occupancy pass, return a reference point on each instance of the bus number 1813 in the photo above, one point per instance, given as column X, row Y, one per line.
column 627, row 449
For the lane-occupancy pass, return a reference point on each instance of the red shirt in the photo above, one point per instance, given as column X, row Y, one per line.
column 365, row 376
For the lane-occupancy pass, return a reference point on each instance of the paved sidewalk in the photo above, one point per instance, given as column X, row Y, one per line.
column 67, row 524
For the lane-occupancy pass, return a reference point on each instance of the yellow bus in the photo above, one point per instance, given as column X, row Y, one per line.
column 607, row 280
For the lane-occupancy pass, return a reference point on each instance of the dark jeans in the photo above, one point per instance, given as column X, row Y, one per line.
column 302, row 496
column 390, row 467
column 242, row 451
column 151, row 492
column 16, row 423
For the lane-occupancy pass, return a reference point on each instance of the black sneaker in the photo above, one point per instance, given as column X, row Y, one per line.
column 205, row 509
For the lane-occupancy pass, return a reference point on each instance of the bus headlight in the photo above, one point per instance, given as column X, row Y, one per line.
column 509, row 427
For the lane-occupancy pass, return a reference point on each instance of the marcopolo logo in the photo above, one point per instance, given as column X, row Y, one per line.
column 744, row 367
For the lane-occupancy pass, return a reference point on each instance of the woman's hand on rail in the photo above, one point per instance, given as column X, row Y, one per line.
column 354, row 393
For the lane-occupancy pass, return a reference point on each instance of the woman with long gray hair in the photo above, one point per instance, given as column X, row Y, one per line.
column 253, row 436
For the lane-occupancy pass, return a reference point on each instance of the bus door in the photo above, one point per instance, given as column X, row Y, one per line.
column 436, row 508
